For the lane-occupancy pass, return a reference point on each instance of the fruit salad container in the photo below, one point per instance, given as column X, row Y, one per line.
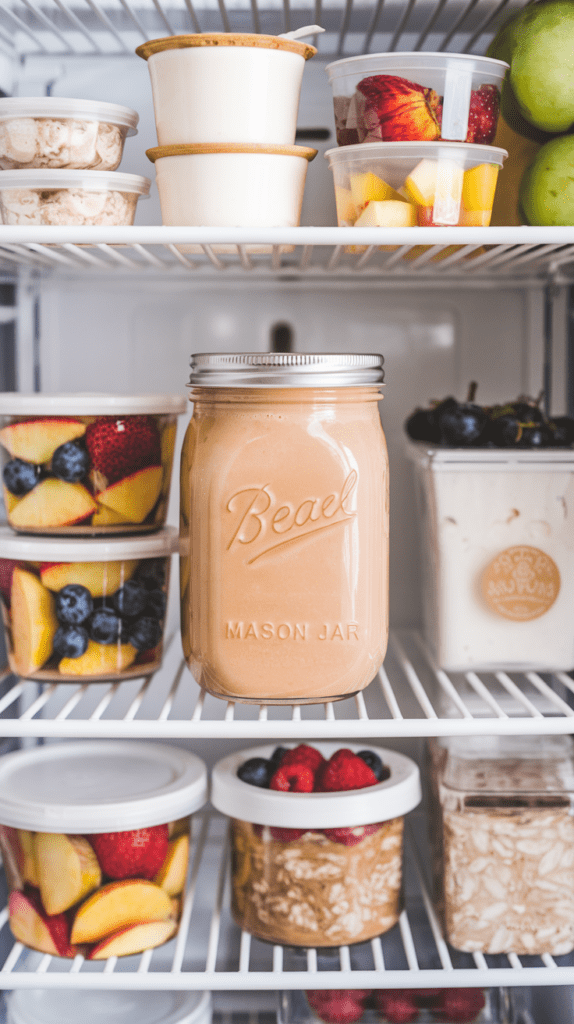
column 336, row 811
column 223, row 87
column 48, row 131
column 87, row 464
column 85, row 610
column 399, row 1006
column 502, row 840
column 409, row 184
column 70, row 197
column 95, row 843
column 416, row 97
column 60, row 1006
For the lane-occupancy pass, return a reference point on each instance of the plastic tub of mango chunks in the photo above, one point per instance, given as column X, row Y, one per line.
column 84, row 610
column 95, row 841
column 405, row 184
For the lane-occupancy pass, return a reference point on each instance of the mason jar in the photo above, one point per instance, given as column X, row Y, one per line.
column 284, row 526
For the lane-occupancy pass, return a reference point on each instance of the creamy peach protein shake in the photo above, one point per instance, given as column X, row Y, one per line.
column 284, row 526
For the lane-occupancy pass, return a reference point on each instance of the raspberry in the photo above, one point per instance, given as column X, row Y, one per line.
column 286, row 835
column 397, row 1005
column 339, row 1006
column 303, row 755
column 460, row 1005
column 352, row 835
column 139, row 853
column 483, row 115
column 344, row 771
column 293, row 778
column 119, row 446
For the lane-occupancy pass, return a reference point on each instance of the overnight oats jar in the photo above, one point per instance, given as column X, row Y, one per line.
column 284, row 526
column 320, row 867
column 95, row 843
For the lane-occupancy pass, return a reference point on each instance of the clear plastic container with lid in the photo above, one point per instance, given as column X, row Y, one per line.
column 503, row 842
column 403, row 1006
column 284, row 526
column 63, row 197
column 316, row 869
column 95, row 842
column 85, row 610
column 48, row 1006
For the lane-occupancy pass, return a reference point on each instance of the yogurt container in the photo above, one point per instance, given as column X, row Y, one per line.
column 84, row 610
column 294, row 883
column 95, row 842
column 87, row 464
column 61, row 1006
column 225, row 87
column 66, row 197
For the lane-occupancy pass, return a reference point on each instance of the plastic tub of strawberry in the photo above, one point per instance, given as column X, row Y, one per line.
column 398, row 1006
column 87, row 464
column 416, row 97
column 316, row 840
column 85, row 610
column 95, row 842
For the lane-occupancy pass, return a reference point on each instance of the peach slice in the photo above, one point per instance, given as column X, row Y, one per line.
column 134, row 939
column 116, row 906
column 100, row 578
column 478, row 187
column 36, row 440
column 29, row 867
column 53, row 502
column 99, row 659
column 33, row 620
column 134, row 496
column 68, row 870
column 107, row 517
column 172, row 874
column 387, row 214
column 344, row 203
column 168, row 436
column 420, row 184
column 10, row 500
column 367, row 187
column 31, row 925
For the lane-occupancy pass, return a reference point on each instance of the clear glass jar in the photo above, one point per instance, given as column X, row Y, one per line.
column 284, row 526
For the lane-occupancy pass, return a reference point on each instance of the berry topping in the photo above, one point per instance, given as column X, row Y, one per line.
column 70, row 462
column 74, row 604
column 20, row 477
column 337, row 1006
column 351, row 836
column 379, row 770
column 256, row 771
column 297, row 777
column 118, row 446
column 397, row 1005
column 344, row 771
column 131, row 599
column 105, row 626
column 459, row 1004
column 7, row 566
column 70, row 641
column 303, row 755
column 136, row 854
column 144, row 633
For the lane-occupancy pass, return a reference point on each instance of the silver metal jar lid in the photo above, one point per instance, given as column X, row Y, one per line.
column 285, row 370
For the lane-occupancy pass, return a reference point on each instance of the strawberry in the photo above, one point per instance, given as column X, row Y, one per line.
column 7, row 566
column 344, row 770
column 286, row 835
column 296, row 777
column 459, row 1004
column 302, row 755
column 136, row 854
column 483, row 115
column 119, row 446
column 350, row 836
column 397, row 1005
column 337, row 1006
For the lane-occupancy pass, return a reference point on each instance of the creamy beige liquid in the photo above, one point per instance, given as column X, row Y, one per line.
column 284, row 522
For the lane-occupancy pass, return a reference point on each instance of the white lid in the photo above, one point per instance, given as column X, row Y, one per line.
column 47, row 1006
column 383, row 63
column 467, row 154
column 78, row 403
column 99, row 786
column 390, row 799
column 58, row 106
column 46, row 548
column 92, row 181
column 473, row 459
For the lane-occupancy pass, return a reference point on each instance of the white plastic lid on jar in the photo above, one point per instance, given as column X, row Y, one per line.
column 390, row 799
column 99, row 786
column 62, row 107
column 77, row 403
column 44, row 1006
column 22, row 548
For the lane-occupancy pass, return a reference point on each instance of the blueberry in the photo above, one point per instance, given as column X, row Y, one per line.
column 74, row 604
column 379, row 770
column 20, row 477
column 144, row 634
column 257, row 771
column 105, row 626
column 131, row 599
column 70, row 462
column 151, row 572
column 277, row 757
column 70, row 641
column 155, row 606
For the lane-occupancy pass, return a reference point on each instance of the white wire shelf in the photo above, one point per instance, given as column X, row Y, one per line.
column 211, row 952
column 409, row 697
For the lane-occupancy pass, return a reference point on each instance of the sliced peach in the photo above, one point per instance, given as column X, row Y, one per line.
column 33, row 620
column 10, row 501
column 100, row 578
column 68, row 870
column 107, row 517
column 99, row 660
column 31, row 925
column 478, row 188
column 168, row 435
column 29, row 868
column 172, row 874
column 53, row 502
column 387, row 214
column 117, row 905
column 134, row 496
column 36, row 440
column 367, row 187
column 345, row 205
column 134, row 939
column 420, row 185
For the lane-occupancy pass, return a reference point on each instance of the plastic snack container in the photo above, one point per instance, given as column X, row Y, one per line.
column 387, row 1006
column 284, row 526
column 497, row 542
column 503, row 842
column 84, row 610
column 95, row 842
column 225, row 87
column 48, row 131
column 87, row 464
column 409, row 184
column 293, row 884
column 47, row 196
column 416, row 97
column 54, row 1006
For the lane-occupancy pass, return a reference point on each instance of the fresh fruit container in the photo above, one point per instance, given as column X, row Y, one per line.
column 79, row 880
column 85, row 610
column 225, row 87
column 399, row 1006
column 48, row 131
column 48, row 196
column 87, row 464
column 60, row 1006
column 497, row 556
column 405, row 184
column 502, row 839
column 316, row 840
column 416, row 97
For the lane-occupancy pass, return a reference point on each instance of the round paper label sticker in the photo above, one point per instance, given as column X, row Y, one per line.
column 521, row 583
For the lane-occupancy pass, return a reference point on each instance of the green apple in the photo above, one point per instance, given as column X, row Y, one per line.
column 542, row 64
column 547, row 189
column 502, row 48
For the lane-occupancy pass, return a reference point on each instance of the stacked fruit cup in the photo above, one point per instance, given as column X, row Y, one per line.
column 415, row 133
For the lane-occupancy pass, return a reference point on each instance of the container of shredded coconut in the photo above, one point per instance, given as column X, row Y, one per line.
column 70, row 197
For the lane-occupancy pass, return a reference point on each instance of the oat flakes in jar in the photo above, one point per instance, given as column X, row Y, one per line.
column 284, row 526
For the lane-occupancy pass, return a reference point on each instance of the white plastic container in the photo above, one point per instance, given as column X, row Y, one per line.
column 497, row 539
column 225, row 87
column 59, row 1006
column 391, row 106
column 63, row 197
column 49, row 131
